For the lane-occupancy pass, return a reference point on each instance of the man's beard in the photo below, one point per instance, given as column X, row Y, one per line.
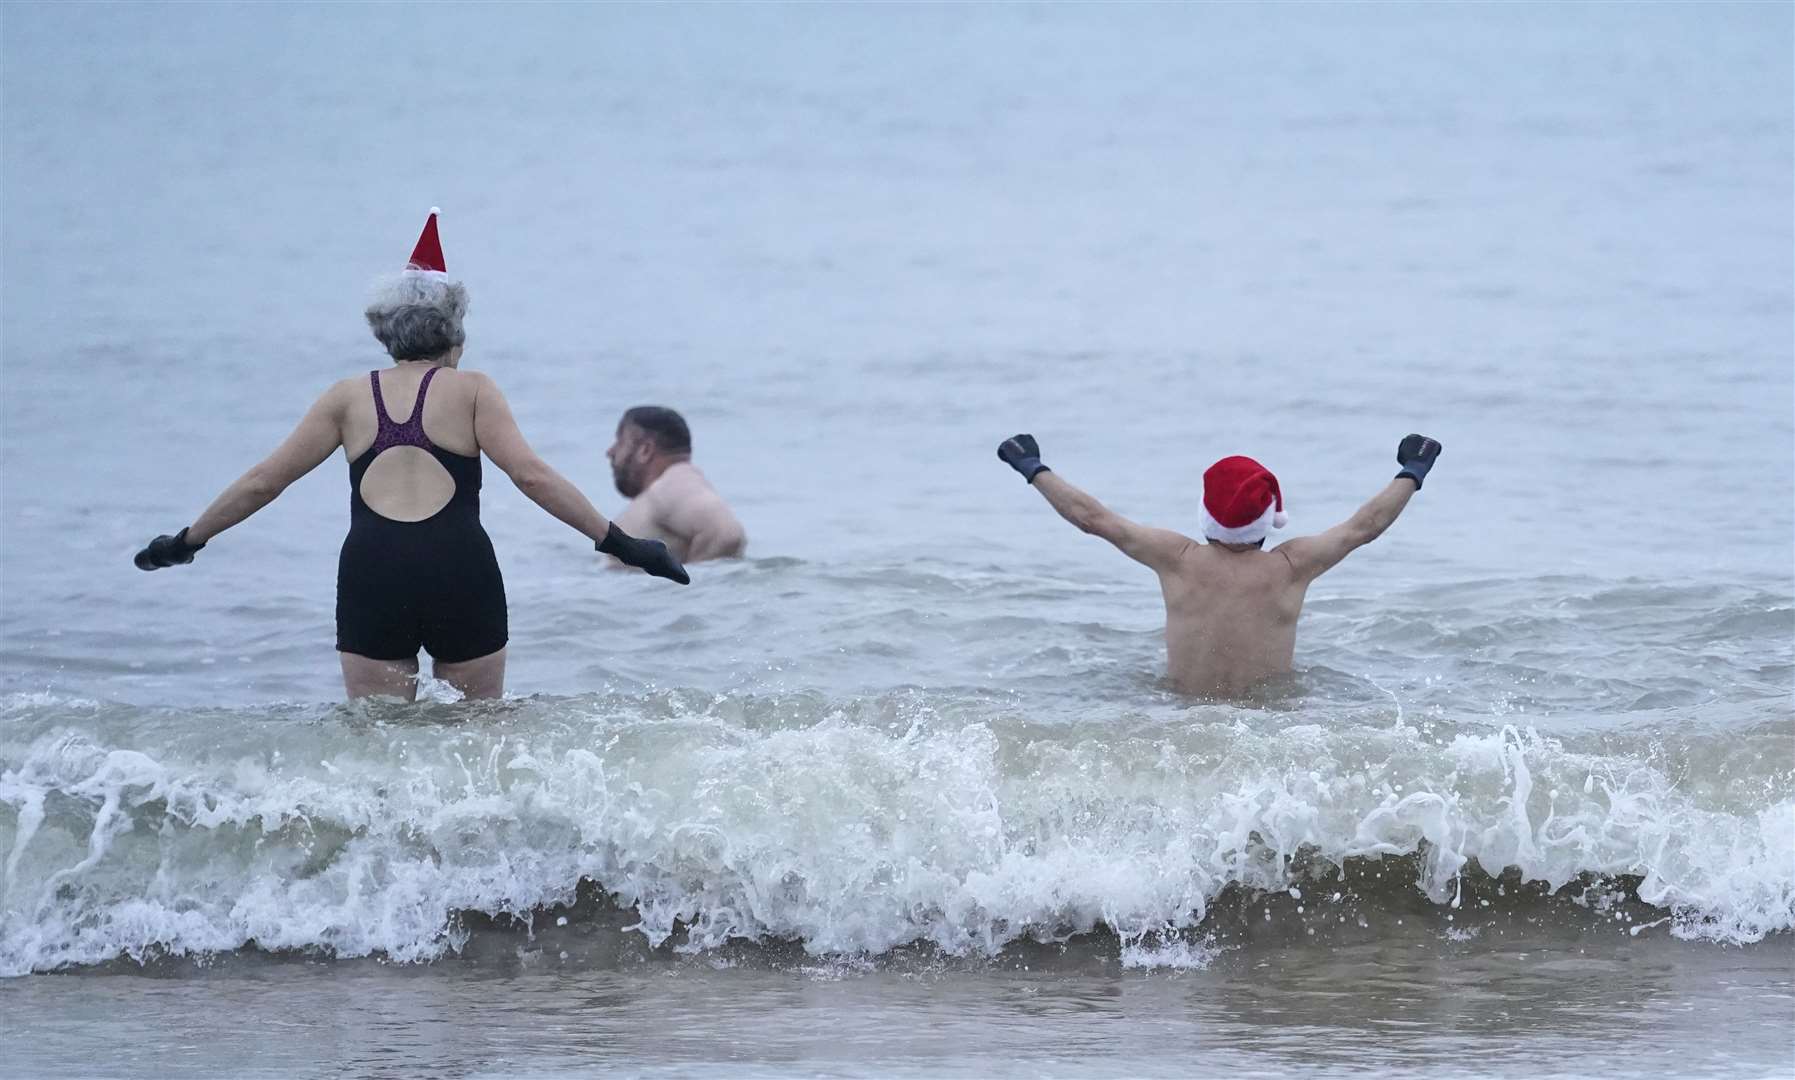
column 627, row 485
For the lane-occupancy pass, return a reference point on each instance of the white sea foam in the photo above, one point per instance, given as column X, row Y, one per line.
column 1171, row 954
column 850, row 838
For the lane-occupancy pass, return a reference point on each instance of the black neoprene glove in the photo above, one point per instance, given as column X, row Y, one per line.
column 166, row 550
column 1416, row 455
column 649, row 555
column 1021, row 453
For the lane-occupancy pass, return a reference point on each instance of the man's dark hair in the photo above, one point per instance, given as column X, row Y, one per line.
column 667, row 428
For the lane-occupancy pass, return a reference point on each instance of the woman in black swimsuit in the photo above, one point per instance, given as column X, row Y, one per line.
column 417, row 570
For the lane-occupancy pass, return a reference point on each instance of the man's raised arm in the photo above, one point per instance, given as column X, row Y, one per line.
column 1157, row 548
column 1313, row 556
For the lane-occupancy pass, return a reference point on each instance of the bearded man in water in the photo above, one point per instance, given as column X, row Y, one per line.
column 1231, row 606
column 651, row 463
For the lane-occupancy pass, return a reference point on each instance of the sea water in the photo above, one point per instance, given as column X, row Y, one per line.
column 903, row 792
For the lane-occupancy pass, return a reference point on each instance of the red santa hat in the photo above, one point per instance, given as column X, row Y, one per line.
column 1241, row 501
column 428, row 255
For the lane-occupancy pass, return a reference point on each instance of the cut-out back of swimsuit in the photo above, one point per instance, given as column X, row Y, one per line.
column 463, row 470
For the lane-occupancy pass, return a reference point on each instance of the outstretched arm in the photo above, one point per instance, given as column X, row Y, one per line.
column 319, row 433
column 1312, row 556
column 1157, row 548
column 495, row 429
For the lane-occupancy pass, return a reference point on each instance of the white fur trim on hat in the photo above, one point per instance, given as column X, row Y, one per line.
column 1250, row 533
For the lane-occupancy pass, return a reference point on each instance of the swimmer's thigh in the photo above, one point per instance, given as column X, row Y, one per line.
column 481, row 677
column 364, row 676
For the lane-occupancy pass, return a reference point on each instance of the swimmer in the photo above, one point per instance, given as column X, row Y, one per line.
column 417, row 569
column 651, row 463
column 1231, row 606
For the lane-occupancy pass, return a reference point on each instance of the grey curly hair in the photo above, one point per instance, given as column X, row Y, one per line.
column 417, row 314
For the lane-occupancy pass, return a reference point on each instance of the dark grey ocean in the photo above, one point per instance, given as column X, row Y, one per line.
column 903, row 792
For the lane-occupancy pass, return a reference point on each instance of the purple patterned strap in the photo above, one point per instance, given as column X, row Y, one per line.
column 411, row 432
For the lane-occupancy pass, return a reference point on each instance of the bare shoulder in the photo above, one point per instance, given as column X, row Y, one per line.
column 338, row 395
column 1167, row 551
column 473, row 380
column 476, row 385
column 1176, row 545
column 683, row 480
column 1309, row 557
column 1296, row 548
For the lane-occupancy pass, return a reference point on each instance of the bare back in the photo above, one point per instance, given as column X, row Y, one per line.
column 1230, row 618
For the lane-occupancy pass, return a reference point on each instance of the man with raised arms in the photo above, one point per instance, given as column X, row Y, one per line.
column 651, row 462
column 1231, row 606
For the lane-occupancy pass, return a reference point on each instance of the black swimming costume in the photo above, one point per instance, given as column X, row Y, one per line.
column 433, row 583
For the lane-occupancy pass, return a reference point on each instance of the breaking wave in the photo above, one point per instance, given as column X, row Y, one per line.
column 853, row 828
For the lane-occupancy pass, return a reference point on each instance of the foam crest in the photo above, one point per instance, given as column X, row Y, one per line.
column 851, row 830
